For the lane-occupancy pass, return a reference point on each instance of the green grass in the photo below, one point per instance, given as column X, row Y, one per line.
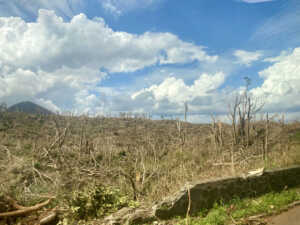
column 295, row 136
column 237, row 209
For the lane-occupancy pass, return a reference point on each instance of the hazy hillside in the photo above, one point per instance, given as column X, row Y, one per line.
column 29, row 107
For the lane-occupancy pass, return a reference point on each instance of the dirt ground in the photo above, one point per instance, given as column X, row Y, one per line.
column 290, row 217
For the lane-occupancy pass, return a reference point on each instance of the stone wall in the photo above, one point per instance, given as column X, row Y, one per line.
column 205, row 194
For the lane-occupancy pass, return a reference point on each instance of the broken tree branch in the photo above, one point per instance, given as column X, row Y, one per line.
column 25, row 210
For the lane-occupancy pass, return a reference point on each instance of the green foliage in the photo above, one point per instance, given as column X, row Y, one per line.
column 96, row 201
column 216, row 216
column 37, row 165
column 237, row 209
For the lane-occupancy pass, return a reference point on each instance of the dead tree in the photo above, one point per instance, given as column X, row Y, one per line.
column 186, row 108
column 242, row 112
column 233, row 109
column 217, row 135
column 265, row 153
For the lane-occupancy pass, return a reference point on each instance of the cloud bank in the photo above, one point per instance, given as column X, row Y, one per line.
column 169, row 96
column 281, row 85
column 247, row 58
column 61, row 62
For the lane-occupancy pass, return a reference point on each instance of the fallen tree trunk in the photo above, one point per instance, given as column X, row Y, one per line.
column 48, row 218
column 23, row 210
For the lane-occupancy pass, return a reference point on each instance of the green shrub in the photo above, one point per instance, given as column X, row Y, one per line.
column 96, row 201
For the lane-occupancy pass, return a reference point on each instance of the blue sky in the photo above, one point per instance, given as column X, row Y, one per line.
column 150, row 56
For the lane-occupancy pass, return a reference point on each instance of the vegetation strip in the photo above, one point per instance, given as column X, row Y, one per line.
column 241, row 211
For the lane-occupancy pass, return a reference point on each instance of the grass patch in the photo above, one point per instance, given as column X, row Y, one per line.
column 237, row 209
column 295, row 136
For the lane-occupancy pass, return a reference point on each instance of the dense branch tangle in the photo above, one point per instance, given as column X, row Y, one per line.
column 241, row 114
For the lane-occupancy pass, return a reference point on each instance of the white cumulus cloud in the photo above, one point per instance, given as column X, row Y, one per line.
column 59, row 87
column 169, row 95
column 60, row 61
column 50, row 43
column 48, row 104
column 282, row 56
column 281, row 86
column 246, row 57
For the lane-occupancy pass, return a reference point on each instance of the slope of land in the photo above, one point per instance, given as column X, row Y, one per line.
column 127, row 161
column 29, row 107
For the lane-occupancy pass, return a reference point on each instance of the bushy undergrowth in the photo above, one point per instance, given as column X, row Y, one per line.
column 97, row 201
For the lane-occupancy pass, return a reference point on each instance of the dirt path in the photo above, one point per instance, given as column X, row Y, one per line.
column 290, row 217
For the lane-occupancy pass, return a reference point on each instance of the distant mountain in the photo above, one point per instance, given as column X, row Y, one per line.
column 29, row 107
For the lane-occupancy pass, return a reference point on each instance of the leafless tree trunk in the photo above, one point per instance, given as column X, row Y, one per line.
column 266, row 138
column 217, row 136
column 186, row 108
column 246, row 106
column 233, row 109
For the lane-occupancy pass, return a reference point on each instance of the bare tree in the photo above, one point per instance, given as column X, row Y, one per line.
column 186, row 108
column 242, row 112
column 217, row 135
column 233, row 109
column 265, row 152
